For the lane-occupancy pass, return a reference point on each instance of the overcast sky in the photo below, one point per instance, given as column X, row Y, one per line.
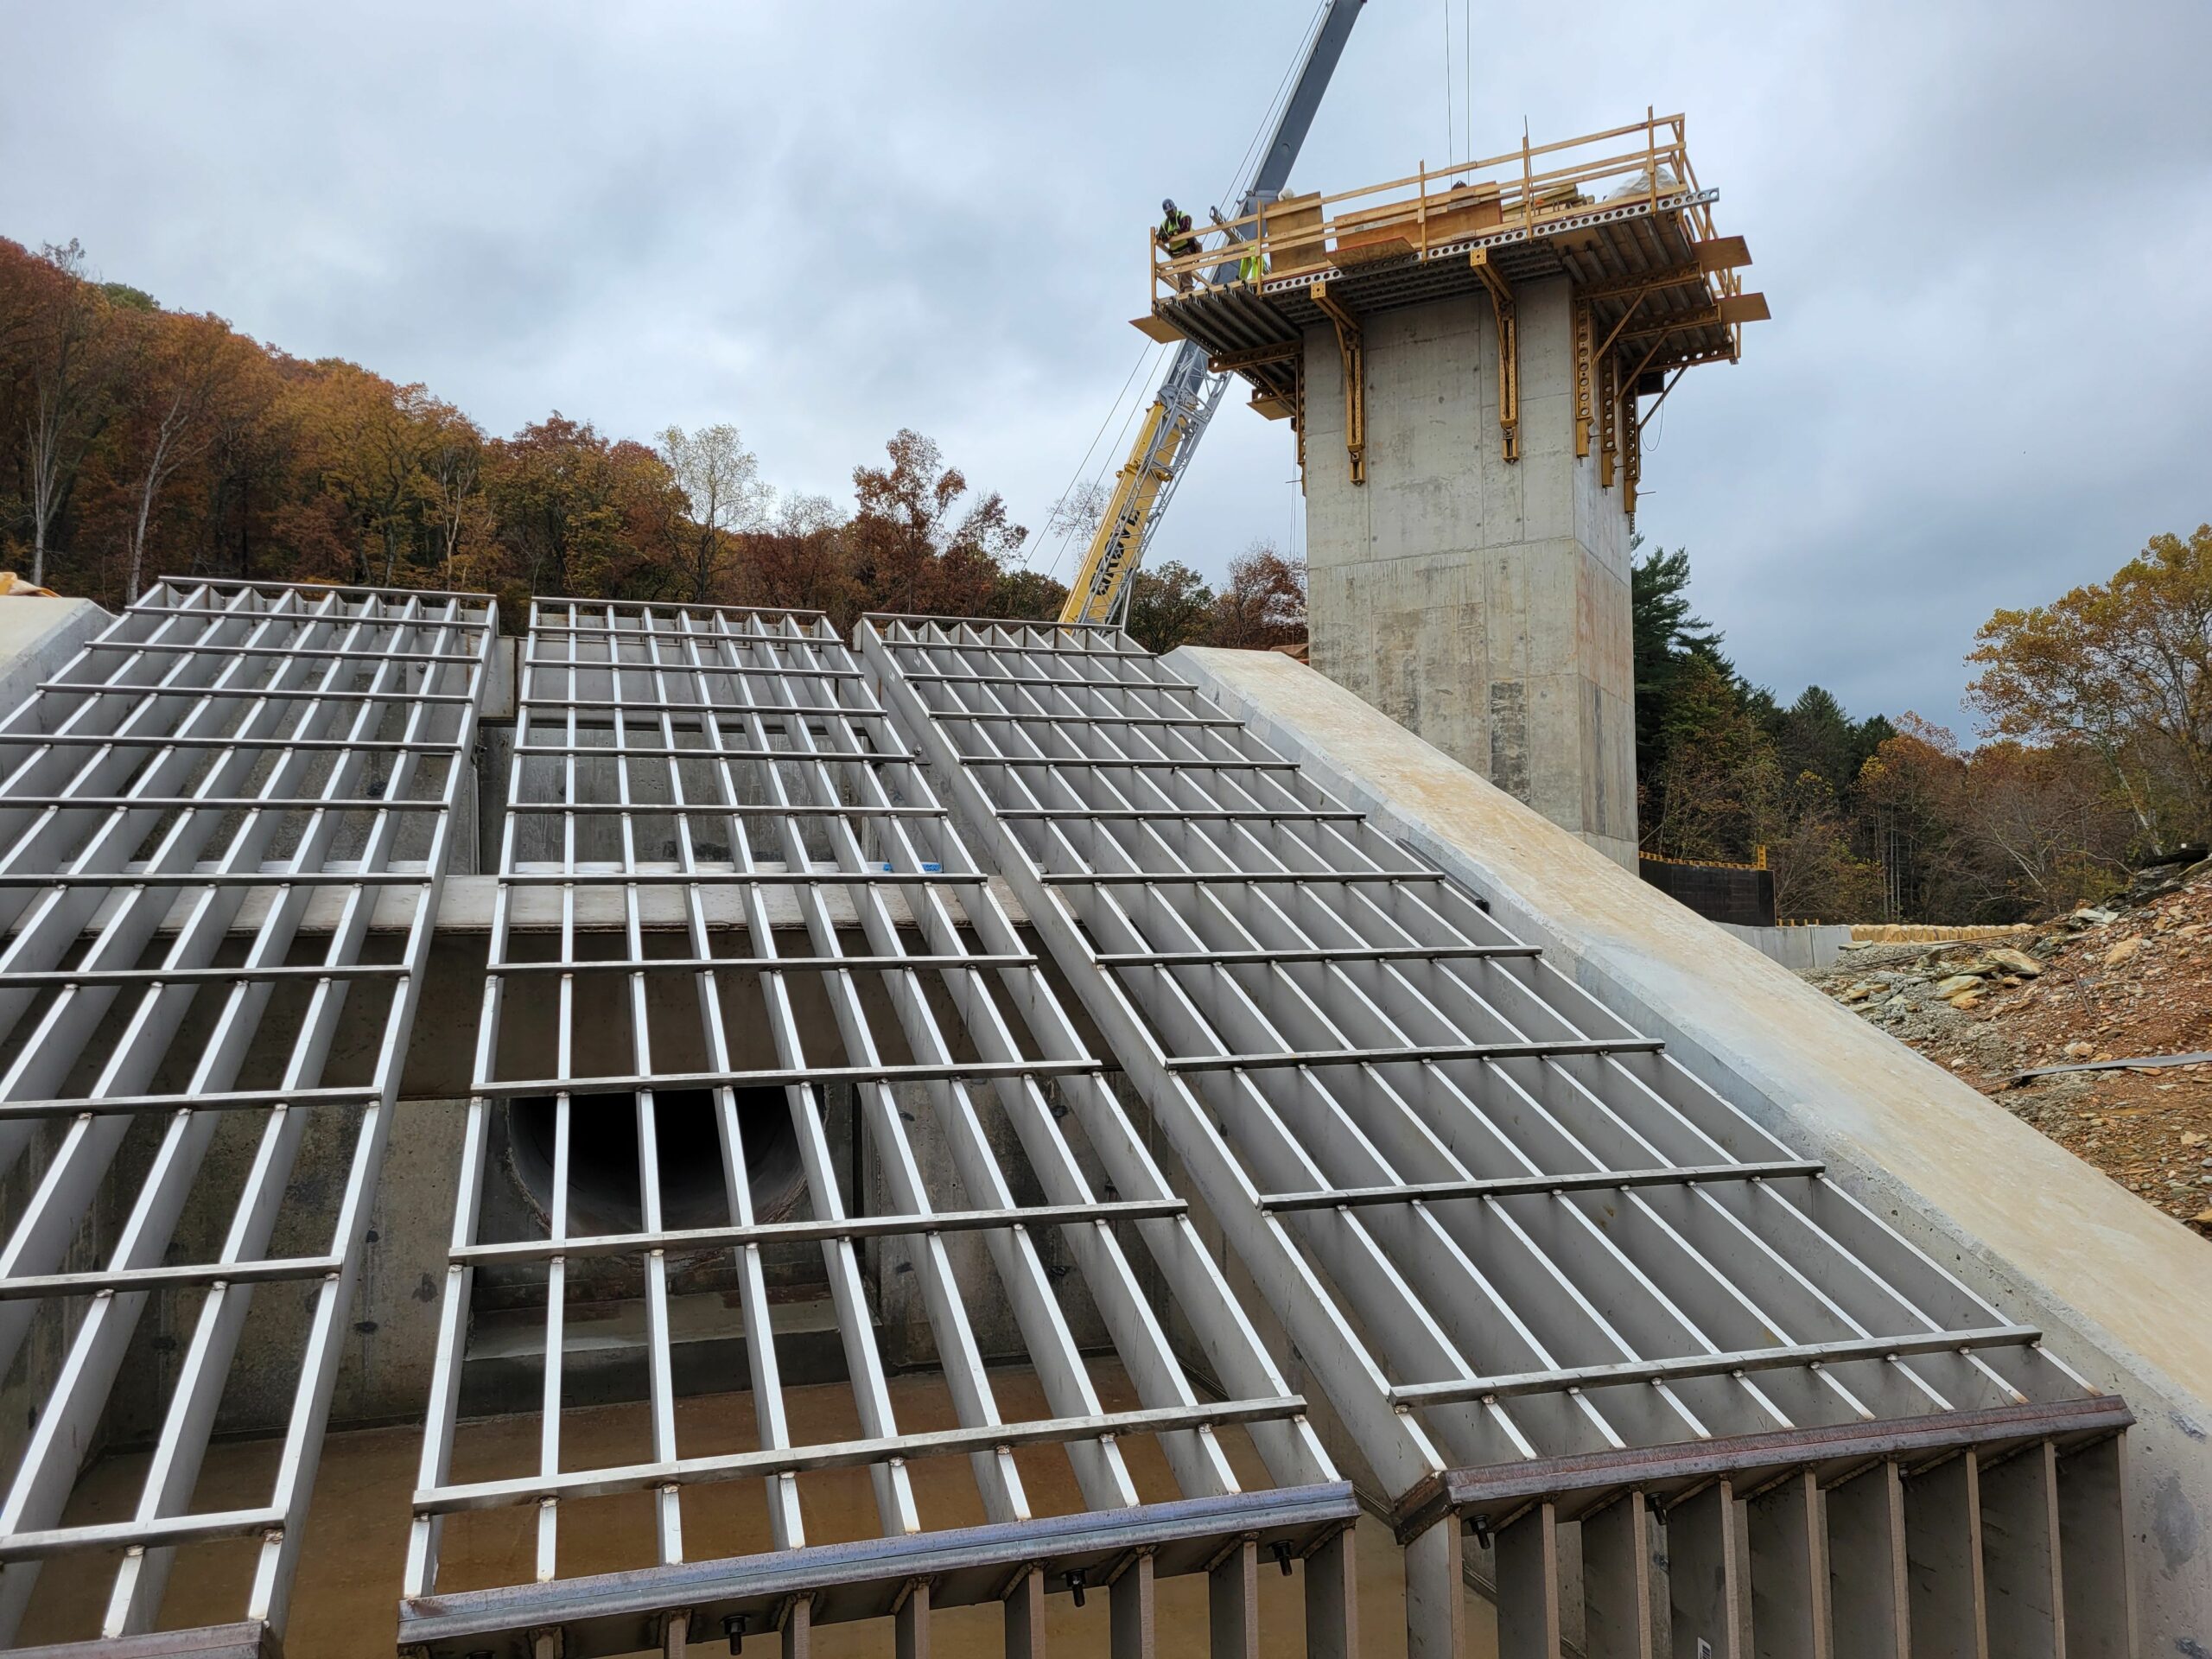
column 1985, row 229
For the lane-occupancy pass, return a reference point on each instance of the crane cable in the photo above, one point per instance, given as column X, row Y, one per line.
column 1245, row 162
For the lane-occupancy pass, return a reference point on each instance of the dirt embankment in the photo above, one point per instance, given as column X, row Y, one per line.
column 2120, row 983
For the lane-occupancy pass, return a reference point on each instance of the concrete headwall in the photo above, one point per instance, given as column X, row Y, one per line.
column 1801, row 950
column 2119, row 1289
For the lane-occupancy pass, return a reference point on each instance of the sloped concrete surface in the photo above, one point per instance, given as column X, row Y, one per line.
column 37, row 638
column 2123, row 1293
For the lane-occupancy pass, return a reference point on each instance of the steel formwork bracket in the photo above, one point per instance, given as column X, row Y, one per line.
column 1351, row 351
column 1507, row 317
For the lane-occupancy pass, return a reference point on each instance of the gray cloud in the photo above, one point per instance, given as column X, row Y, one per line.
column 1983, row 226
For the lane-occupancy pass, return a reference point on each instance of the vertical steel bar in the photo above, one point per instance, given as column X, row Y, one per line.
column 1527, row 1555
column 1943, row 1559
column 1788, row 1535
column 2093, row 1551
column 1618, row 1621
column 1867, row 1564
column 2021, row 1554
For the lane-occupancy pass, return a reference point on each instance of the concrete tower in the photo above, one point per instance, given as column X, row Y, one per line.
column 1466, row 359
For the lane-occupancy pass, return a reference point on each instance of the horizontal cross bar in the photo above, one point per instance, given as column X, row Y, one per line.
column 367, row 656
column 754, row 964
column 719, row 809
column 1174, row 763
column 1687, row 1366
column 1319, row 953
column 1515, row 1185
column 10, row 979
column 285, row 693
column 850, row 1454
column 1043, row 684
column 610, row 751
column 627, row 709
column 1025, row 649
column 672, row 635
column 229, row 1100
column 1541, row 1051
column 312, row 618
column 139, row 1535
column 149, row 741
column 1090, row 719
column 224, row 878
column 754, row 878
column 171, row 1278
column 786, row 1078
column 1200, row 814
column 318, row 590
column 218, row 804
column 787, row 1232
column 776, row 670
column 1228, row 878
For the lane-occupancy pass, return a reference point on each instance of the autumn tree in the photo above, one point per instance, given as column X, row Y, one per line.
column 182, row 370
column 801, row 559
column 1170, row 605
column 919, row 543
column 720, row 480
column 70, row 374
column 2123, row 667
column 1263, row 604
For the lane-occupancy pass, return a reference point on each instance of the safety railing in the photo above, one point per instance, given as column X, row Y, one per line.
column 1516, row 195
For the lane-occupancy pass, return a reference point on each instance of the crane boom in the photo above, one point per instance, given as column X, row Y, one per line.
column 1188, row 395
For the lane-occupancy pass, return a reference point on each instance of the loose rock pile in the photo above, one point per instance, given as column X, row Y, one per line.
column 2133, row 979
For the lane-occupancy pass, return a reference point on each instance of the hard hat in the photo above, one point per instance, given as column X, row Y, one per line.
column 1167, row 206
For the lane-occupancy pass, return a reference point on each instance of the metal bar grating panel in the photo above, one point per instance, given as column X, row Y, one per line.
column 1398, row 1111
column 664, row 755
column 224, row 760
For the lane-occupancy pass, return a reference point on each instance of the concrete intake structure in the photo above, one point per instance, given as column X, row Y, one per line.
column 1463, row 362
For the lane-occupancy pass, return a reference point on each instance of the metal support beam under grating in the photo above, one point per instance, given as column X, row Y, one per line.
column 1399, row 1113
column 223, row 755
column 718, row 752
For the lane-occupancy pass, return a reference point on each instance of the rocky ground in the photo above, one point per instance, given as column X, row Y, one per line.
column 2131, row 980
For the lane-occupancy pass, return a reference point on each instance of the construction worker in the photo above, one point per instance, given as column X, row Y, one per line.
column 1174, row 237
column 1248, row 267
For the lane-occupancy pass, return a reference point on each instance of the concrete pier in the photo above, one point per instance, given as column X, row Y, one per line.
column 1481, row 603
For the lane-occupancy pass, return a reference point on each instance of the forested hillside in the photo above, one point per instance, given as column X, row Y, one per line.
column 137, row 441
column 2096, row 755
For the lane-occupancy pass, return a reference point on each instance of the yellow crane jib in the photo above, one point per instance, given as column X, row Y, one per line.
column 1111, row 560
column 1189, row 394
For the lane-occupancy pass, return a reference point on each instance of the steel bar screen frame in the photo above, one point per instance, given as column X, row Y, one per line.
column 227, row 759
column 664, row 754
column 1402, row 1115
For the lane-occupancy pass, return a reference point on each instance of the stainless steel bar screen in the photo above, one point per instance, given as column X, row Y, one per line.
column 227, row 764
column 1369, row 1080
column 665, row 755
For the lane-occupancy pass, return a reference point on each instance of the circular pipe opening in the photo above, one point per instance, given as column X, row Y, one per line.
column 606, row 1188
